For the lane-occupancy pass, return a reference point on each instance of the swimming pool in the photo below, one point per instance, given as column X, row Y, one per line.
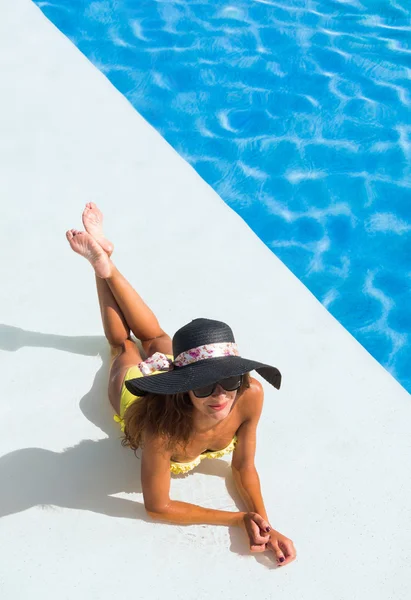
column 298, row 114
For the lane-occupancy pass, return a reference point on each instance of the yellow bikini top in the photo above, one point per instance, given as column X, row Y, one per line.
column 177, row 467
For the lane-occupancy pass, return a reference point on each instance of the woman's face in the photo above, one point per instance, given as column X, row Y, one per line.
column 221, row 398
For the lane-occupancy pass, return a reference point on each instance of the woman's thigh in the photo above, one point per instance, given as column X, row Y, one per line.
column 123, row 357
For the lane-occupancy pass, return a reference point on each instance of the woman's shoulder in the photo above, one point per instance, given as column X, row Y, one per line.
column 251, row 400
column 156, row 442
column 256, row 386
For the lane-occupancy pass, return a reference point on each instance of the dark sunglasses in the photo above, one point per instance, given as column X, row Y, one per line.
column 229, row 384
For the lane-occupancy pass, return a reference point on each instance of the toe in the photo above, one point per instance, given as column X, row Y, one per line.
column 69, row 234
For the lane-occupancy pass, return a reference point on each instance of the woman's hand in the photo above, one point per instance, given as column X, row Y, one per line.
column 261, row 540
column 282, row 547
column 256, row 528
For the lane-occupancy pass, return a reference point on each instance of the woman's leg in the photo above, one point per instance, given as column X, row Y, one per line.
column 115, row 326
column 124, row 353
column 137, row 315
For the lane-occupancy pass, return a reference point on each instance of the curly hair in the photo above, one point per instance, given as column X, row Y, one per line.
column 169, row 416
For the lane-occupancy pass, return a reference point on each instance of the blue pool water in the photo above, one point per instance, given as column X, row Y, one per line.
column 297, row 113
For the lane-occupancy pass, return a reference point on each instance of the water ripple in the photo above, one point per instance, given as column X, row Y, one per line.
column 298, row 114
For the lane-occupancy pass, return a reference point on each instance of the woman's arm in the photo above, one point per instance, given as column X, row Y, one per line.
column 248, row 484
column 190, row 514
column 155, row 479
column 243, row 468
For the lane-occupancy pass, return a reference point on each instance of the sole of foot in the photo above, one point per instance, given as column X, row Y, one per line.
column 93, row 223
column 85, row 245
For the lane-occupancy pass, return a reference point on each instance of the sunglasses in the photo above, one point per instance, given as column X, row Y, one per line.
column 229, row 384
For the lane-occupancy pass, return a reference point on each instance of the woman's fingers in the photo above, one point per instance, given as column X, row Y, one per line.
column 261, row 540
column 258, row 548
column 262, row 523
column 273, row 544
column 283, row 549
column 255, row 525
column 288, row 550
column 258, row 537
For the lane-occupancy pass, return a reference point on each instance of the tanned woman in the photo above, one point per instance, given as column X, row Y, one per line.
column 190, row 398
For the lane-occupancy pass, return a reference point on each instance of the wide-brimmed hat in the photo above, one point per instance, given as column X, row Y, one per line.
column 204, row 352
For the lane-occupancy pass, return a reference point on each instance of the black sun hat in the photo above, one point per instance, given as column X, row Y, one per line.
column 204, row 352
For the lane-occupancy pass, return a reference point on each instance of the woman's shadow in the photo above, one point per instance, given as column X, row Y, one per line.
column 87, row 475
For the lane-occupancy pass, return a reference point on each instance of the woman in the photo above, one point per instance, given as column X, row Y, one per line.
column 194, row 395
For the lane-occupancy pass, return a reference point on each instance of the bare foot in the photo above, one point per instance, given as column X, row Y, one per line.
column 93, row 224
column 82, row 243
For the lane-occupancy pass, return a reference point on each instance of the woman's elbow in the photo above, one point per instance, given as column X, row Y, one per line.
column 155, row 511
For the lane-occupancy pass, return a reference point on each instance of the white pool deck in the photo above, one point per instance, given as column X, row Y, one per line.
column 333, row 450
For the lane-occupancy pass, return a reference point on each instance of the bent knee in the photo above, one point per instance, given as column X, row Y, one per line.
column 126, row 352
column 162, row 344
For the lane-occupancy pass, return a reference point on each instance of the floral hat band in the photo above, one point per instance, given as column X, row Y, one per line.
column 160, row 362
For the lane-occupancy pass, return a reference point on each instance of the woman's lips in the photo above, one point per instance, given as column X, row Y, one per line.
column 218, row 406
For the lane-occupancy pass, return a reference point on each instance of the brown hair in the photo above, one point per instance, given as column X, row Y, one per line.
column 169, row 416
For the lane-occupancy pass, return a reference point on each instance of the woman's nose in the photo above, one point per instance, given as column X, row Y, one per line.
column 218, row 391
